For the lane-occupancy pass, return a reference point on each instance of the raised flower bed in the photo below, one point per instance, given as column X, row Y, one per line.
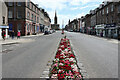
column 65, row 64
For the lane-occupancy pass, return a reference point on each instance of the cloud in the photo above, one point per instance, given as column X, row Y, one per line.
column 80, row 2
column 75, row 2
column 84, row 7
column 52, row 4
column 74, row 8
column 65, row 8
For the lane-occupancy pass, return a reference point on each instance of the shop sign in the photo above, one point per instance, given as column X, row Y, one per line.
column 4, row 26
column 110, row 25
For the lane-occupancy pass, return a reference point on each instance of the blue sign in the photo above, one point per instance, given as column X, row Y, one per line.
column 10, row 27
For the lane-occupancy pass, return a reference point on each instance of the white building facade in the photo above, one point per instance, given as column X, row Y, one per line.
column 3, row 19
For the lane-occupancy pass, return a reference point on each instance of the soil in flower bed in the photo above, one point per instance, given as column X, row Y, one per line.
column 65, row 64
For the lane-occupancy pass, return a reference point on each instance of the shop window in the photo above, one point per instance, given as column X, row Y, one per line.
column 3, row 20
column 10, row 14
column 27, row 27
column 19, row 27
column 19, row 3
column 10, row 3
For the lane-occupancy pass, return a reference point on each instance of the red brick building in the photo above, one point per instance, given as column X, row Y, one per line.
column 24, row 17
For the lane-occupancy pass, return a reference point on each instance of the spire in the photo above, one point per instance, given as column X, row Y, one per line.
column 55, row 19
column 55, row 14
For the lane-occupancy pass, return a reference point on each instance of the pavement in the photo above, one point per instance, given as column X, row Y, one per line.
column 15, row 40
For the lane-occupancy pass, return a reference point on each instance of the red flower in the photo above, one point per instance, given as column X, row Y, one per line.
column 71, row 56
column 67, row 67
column 61, row 76
column 57, row 56
column 61, row 61
column 61, row 58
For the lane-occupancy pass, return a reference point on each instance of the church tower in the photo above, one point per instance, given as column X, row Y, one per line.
column 55, row 18
column 55, row 26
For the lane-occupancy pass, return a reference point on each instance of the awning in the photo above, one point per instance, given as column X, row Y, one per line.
column 4, row 26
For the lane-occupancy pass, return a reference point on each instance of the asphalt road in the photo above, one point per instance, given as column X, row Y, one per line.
column 28, row 60
column 99, row 56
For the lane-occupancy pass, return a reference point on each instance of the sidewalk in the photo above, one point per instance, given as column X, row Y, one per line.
column 15, row 40
column 105, row 38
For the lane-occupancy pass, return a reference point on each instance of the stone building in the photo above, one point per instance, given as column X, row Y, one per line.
column 87, row 27
column 108, row 19
column 26, row 17
column 3, row 19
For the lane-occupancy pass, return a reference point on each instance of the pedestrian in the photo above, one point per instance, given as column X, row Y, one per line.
column 13, row 34
column 101, row 34
column 3, row 34
column 18, row 34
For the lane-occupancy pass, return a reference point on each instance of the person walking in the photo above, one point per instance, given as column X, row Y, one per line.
column 18, row 34
column 13, row 34
column 3, row 34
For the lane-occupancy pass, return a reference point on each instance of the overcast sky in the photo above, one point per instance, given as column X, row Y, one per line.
column 67, row 9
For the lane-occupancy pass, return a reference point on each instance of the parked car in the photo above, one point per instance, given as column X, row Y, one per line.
column 71, row 30
column 51, row 31
column 46, row 33
column 54, row 30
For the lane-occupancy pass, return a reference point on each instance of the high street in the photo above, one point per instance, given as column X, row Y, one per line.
column 99, row 56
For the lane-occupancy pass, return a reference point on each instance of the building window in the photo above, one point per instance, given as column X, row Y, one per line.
column 103, row 11
column 107, row 10
column 10, row 3
column 19, row 27
column 3, row 20
column 35, row 18
column 38, row 19
column 28, row 15
column 111, row 19
column 32, row 16
column 32, row 6
column 19, row 3
column 28, row 4
column 19, row 14
column 10, row 14
column 35, row 9
column 112, row 7
column 119, row 9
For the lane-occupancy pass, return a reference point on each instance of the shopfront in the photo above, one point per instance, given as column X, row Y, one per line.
column 100, row 30
column 111, row 30
column 6, row 30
